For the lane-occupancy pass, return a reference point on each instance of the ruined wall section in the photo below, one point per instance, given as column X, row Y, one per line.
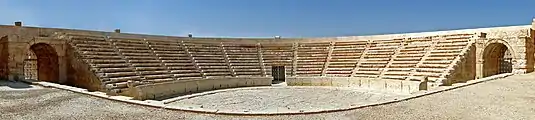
column 79, row 73
column 465, row 69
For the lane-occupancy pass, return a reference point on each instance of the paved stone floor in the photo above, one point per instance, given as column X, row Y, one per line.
column 509, row 98
column 284, row 99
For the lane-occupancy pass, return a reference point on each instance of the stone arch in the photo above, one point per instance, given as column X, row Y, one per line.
column 47, row 62
column 498, row 57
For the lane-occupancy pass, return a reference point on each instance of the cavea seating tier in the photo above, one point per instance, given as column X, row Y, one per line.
column 132, row 65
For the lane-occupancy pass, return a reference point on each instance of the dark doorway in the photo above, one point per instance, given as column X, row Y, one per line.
column 497, row 60
column 47, row 62
column 278, row 73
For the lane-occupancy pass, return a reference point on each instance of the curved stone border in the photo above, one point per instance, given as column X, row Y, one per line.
column 160, row 104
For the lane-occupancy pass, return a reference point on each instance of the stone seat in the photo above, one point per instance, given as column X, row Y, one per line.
column 141, row 60
column 106, row 61
column 113, row 65
column 186, row 75
column 83, row 45
column 434, row 65
column 447, row 51
column 367, row 72
column 133, row 47
column 210, row 60
column 241, row 53
column 182, row 67
column 239, row 58
column 116, row 85
column 308, row 72
column 402, row 65
column 372, row 65
column 137, row 54
column 173, row 61
column 449, row 48
column 308, row 69
column 339, row 69
column 99, row 53
column 119, row 74
column 215, row 70
column 430, row 70
column 245, row 64
column 212, row 64
column 214, row 67
column 124, row 69
column 179, row 64
column 136, row 59
column 199, row 55
column 431, row 57
column 150, row 68
column 101, row 57
column 342, row 63
column 146, row 64
column 166, row 48
column 437, row 62
column 218, row 74
column 401, row 69
column 366, row 76
column 444, row 54
column 122, row 79
column 427, row 74
column 394, row 77
column 374, row 62
column 157, row 76
column 405, row 58
column 171, row 56
column 135, row 51
column 97, row 49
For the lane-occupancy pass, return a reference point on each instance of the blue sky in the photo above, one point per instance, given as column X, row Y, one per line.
column 267, row 18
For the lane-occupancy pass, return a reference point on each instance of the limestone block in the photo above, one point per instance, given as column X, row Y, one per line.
column 315, row 82
column 306, row 82
column 291, row 82
column 191, row 86
column 340, row 82
column 326, row 81
column 410, row 86
column 232, row 83
column 242, row 83
column 378, row 84
column 354, row 82
column 394, row 85
column 365, row 83
column 205, row 85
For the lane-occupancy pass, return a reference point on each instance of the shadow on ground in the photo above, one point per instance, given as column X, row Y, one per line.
column 14, row 84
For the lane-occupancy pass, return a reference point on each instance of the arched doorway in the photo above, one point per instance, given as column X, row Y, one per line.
column 47, row 62
column 497, row 59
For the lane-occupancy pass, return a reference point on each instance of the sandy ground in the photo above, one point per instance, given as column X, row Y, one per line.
column 285, row 99
column 511, row 98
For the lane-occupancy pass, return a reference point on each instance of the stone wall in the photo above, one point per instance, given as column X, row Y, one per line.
column 181, row 87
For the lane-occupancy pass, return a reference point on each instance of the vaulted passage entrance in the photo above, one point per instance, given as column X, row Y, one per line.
column 43, row 61
column 497, row 60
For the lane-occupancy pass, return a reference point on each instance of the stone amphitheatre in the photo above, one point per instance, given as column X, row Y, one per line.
column 262, row 76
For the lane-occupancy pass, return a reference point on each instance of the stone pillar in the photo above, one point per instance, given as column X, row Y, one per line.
column 480, row 47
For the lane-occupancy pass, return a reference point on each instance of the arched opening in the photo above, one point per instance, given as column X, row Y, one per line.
column 44, row 60
column 497, row 59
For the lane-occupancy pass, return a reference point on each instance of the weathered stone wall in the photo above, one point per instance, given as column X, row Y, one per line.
column 79, row 73
column 465, row 69
column 4, row 57
column 396, row 86
column 180, row 87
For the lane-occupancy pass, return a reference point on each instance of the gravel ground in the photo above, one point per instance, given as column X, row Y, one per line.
column 285, row 99
column 512, row 98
